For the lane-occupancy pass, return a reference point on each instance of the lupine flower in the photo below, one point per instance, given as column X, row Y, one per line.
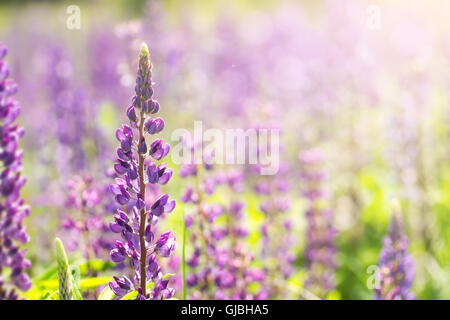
column 219, row 266
column 84, row 221
column 68, row 108
column 320, row 247
column 12, row 208
column 204, row 274
column 120, row 287
column 104, row 73
column 235, row 259
column 135, row 165
column 276, row 239
column 165, row 245
column 396, row 272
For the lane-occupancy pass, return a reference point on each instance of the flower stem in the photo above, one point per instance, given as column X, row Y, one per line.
column 84, row 232
column 184, row 258
column 143, row 217
column 203, row 230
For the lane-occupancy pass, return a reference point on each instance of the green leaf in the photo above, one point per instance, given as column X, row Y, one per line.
column 53, row 296
column 45, row 295
column 133, row 294
column 48, row 274
column 168, row 275
column 75, row 277
column 93, row 282
column 106, row 294
column 85, row 283
column 95, row 265
column 130, row 296
column 183, row 254
column 64, row 277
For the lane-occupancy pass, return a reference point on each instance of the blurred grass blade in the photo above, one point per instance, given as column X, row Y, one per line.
column 53, row 296
column 84, row 284
column 184, row 258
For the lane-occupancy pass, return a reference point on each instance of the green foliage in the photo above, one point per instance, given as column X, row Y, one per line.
column 65, row 282
column 45, row 284
column 75, row 278
column 106, row 294
column 69, row 282
column 183, row 258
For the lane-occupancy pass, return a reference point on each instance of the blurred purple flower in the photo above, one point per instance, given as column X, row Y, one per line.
column 12, row 208
column 396, row 272
column 320, row 236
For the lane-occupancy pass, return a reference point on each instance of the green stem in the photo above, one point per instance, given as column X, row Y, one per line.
column 184, row 258
column 143, row 215
column 84, row 233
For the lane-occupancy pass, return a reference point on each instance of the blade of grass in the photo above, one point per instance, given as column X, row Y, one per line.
column 184, row 258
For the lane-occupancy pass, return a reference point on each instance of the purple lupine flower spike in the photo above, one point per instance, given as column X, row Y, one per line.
column 320, row 247
column 83, row 224
column 396, row 272
column 276, row 240
column 219, row 267
column 12, row 208
column 136, row 163
column 68, row 107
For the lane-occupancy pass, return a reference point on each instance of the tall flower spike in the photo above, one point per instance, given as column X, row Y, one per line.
column 396, row 272
column 87, row 203
column 68, row 109
column 276, row 233
column 12, row 208
column 320, row 247
column 218, row 266
column 136, row 163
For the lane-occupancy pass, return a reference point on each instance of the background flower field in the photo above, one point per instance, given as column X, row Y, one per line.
column 359, row 90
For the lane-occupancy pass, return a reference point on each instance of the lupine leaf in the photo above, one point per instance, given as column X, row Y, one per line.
column 183, row 255
column 95, row 265
column 75, row 277
column 53, row 296
column 48, row 274
column 64, row 276
column 133, row 294
column 85, row 283
column 45, row 295
column 94, row 282
column 130, row 296
column 106, row 294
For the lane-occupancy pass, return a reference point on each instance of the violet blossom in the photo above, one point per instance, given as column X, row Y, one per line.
column 396, row 272
column 87, row 204
column 320, row 248
column 136, row 163
column 276, row 234
column 12, row 208
column 219, row 266
column 68, row 107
